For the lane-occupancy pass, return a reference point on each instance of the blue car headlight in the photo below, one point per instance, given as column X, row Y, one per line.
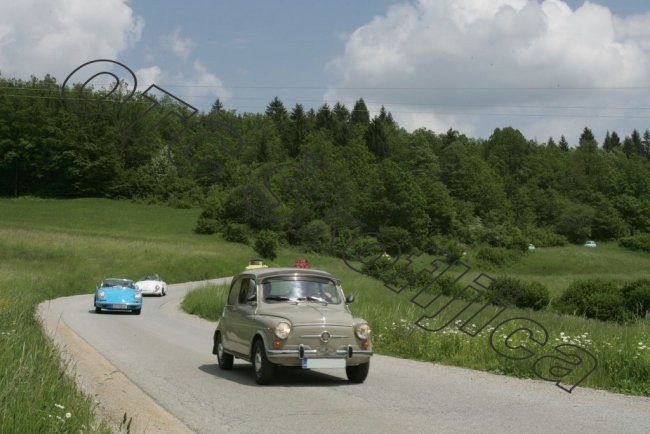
column 138, row 295
column 101, row 294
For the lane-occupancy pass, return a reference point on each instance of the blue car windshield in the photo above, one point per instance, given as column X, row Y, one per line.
column 126, row 283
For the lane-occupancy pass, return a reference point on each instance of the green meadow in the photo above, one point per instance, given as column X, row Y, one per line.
column 55, row 248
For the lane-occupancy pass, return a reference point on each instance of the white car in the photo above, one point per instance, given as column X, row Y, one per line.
column 152, row 285
column 590, row 244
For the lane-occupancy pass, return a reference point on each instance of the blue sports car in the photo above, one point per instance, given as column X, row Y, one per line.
column 118, row 294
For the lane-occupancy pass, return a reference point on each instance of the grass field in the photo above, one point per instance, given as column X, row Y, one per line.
column 54, row 248
column 556, row 267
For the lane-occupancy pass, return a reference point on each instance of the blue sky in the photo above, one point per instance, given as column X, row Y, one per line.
column 548, row 68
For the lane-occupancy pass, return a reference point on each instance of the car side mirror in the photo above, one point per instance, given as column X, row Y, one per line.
column 349, row 299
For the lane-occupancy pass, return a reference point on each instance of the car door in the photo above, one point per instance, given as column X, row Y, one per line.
column 242, row 325
column 229, row 316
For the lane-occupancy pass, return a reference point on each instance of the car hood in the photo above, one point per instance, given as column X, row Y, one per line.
column 118, row 292
column 309, row 313
column 149, row 283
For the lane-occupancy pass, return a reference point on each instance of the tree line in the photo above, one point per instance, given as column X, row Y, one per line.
column 319, row 177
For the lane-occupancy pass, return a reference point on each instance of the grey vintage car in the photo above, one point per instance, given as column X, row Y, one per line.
column 291, row 317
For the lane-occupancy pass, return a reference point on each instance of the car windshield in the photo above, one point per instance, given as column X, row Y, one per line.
column 126, row 283
column 302, row 288
column 151, row 277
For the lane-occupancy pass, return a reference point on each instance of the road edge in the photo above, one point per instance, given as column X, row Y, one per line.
column 113, row 393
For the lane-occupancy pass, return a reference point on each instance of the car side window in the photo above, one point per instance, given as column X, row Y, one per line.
column 233, row 295
column 248, row 291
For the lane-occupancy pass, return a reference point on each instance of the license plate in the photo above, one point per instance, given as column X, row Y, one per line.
column 119, row 306
column 323, row 363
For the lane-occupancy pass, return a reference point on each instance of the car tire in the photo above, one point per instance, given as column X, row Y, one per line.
column 98, row 309
column 264, row 370
column 137, row 311
column 224, row 359
column 357, row 374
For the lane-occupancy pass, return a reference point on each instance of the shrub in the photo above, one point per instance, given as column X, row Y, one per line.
column 636, row 242
column 451, row 249
column 528, row 295
column 236, row 233
column 267, row 243
column 637, row 297
column 316, row 236
column 593, row 298
column 496, row 255
column 206, row 226
column 542, row 237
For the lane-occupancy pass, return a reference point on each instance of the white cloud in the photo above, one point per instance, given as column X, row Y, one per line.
column 39, row 37
column 148, row 76
column 483, row 64
column 198, row 87
column 181, row 47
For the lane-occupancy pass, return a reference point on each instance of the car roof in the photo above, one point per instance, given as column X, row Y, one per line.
column 283, row 271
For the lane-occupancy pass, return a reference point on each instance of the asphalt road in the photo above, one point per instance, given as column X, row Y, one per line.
column 167, row 355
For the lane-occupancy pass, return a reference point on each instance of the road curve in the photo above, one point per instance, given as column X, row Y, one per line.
column 158, row 368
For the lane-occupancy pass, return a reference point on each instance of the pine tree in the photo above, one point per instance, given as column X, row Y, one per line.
column 360, row 114
column 217, row 106
column 564, row 145
column 551, row 143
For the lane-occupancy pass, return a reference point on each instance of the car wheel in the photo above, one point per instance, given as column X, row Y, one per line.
column 98, row 309
column 357, row 374
column 137, row 311
column 225, row 360
column 264, row 369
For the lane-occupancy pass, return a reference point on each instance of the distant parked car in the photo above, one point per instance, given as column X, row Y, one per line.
column 590, row 244
column 301, row 263
column 152, row 285
column 256, row 263
column 118, row 294
column 291, row 317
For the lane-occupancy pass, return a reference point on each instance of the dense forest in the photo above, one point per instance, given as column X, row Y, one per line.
column 316, row 177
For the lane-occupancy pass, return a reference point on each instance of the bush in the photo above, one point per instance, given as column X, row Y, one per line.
column 496, row 255
column 508, row 237
column 636, row 242
column 206, row 226
column 637, row 297
column 236, row 233
column 451, row 249
column 527, row 295
column 267, row 243
column 593, row 298
column 316, row 236
column 542, row 237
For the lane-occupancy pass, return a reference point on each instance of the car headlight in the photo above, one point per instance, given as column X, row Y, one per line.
column 363, row 331
column 137, row 296
column 100, row 294
column 157, row 287
column 282, row 330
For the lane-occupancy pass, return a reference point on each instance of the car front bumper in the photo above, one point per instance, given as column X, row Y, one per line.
column 298, row 356
column 118, row 306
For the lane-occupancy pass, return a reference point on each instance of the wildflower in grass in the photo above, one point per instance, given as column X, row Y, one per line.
column 68, row 415
column 59, row 406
